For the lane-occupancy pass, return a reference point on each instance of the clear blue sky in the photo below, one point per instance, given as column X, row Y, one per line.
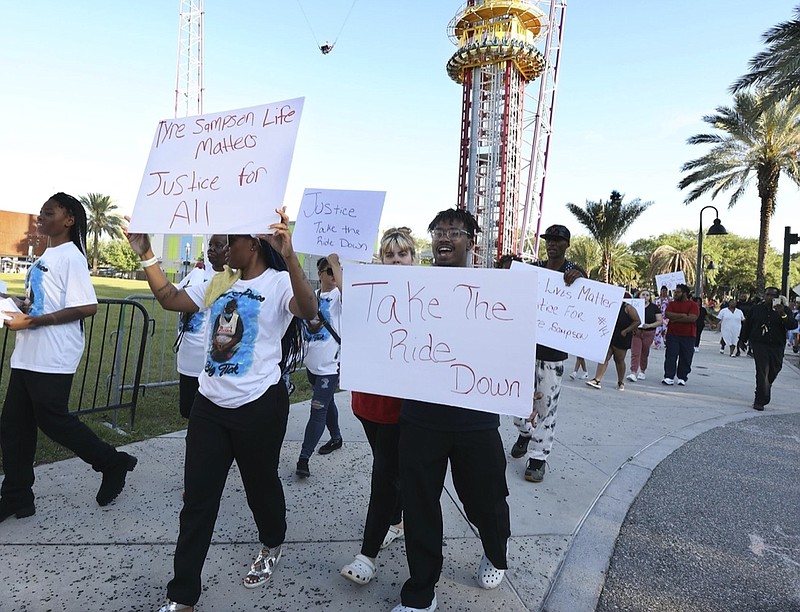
column 85, row 83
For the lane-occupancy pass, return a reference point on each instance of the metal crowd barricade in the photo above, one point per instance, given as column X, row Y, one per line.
column 159, row 362
column 109, row 373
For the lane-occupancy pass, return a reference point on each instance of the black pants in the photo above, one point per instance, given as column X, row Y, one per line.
column 698, row 333
column 678, row 356
column 36, row 399
column 252, row 435
column 385, row 507
column 769, row 361
column 187, row 389
column 478, row 464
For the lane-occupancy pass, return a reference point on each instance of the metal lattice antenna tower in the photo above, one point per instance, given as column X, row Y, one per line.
column 500, row 142
column 189, row 80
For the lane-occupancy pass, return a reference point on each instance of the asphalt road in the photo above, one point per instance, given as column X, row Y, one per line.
column 717, row 526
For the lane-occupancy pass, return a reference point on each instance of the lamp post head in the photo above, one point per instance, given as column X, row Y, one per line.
column 716, row 229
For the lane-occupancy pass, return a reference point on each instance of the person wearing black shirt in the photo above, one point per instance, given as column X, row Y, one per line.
column 549, row 370
column 765, row 329
column 431, row 435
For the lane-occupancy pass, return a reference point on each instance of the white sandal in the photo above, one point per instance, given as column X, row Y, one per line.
column 395, row 531
column 262, row 567
column 488, row 576
column 360, row 571
column 174, row 606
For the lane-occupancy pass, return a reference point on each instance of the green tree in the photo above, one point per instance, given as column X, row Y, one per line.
column 119, row 254
column 607, row 222
column 776, row 69
column 667, row 258
column 101, row 219
column 584, row 252
column 754, row 140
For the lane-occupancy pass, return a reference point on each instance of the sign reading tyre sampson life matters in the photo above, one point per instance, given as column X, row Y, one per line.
column 457, row 336
column 222, row 173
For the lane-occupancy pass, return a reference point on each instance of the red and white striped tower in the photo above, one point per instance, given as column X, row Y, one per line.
column 503, row 145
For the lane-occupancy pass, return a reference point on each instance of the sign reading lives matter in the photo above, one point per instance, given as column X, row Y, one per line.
column 456, row 336
column 219, row 173
column 338, row 221
column 578, row 319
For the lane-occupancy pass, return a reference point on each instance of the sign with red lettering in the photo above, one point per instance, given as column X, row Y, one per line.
column 338, row 221
column 578, row 319
column 219, row 173
column 457, row 336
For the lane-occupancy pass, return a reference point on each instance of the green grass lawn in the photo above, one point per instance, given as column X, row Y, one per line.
column 157, row 408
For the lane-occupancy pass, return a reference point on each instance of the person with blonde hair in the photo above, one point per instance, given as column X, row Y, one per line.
column 380, row 417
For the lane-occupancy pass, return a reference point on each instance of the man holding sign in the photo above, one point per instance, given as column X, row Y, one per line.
column 433, row 434
column 549, row 369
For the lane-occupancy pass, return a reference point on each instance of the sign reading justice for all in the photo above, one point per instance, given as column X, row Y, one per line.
column 223, row 173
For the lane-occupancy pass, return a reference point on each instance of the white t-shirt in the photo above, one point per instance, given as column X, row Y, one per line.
column 243, row 337
column 322, row 350
column 59, row 279
column 192, row 350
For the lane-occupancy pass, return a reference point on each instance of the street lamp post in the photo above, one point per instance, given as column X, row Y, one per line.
column 716, row 229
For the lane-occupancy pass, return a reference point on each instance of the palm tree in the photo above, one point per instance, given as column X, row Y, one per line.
column 101, row 220
column 756, row 140
column 777, row 68
column 607, row 222
column 666, row 259
column 584, row 252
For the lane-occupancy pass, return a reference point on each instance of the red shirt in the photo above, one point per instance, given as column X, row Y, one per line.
column 682, row 328
column 377, row 408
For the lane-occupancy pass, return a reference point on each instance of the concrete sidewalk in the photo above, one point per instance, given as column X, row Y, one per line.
column 73, row 555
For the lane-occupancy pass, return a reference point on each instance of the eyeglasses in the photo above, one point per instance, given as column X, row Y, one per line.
column 452, row 234
column 328, row 270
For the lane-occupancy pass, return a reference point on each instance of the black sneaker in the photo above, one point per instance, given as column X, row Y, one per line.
column 758, row 407
column 302, row 468
column 7, row 510
column 114, row 478
column 330, row 446
column 534, row 472
column 520, row 447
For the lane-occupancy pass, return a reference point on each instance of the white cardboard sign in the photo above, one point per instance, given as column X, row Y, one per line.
column 638, row 304
column 578, row 319
column 457, row 336
column 218, row 173
column 670, row 280
column 338, row 221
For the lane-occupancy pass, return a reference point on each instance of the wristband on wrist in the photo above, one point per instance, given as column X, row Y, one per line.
column 146, row 263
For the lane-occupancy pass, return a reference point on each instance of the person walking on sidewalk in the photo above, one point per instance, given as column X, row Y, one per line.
column 321, row 335
column 242, row 407
column 49, row 345
column 643, row 337
column 433, row 435
column 765, row 330
column 682, row 313
column 549, row 370
column 624, row 328
column 380, row 417
column 731, row 319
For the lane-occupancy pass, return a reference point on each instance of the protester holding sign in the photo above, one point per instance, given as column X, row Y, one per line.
column 380, row 417
column 662, row 301
column 627, row 322
column 643, row 338
column 433, row 434
column 323, row 345
column 49, row 345
column 192, row 326
column 549, row 369
column 242, row 407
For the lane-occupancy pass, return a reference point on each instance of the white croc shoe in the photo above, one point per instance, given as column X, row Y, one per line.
column 488, row 576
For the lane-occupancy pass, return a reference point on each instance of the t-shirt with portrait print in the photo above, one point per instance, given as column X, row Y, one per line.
column 243, row 337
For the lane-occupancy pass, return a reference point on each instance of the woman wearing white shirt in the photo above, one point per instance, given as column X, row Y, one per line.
column 242, row 407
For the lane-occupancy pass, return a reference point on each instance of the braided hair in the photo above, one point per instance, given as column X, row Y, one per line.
column 75, row 209
column 456, row 214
